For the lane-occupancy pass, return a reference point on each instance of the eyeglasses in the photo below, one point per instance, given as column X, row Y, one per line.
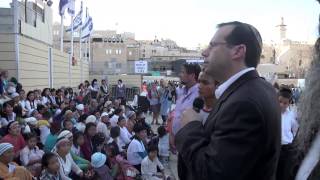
column 214, row 44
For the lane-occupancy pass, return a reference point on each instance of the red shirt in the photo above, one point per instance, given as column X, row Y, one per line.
column 17, row 142
column 87, row 148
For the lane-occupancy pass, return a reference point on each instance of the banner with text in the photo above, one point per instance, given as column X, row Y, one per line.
column 141, row 67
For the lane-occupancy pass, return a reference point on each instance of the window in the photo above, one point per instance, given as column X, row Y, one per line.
column 119, row 51
column 130, row 53
column 107, row 51
column 110, row 51
column 118, row 65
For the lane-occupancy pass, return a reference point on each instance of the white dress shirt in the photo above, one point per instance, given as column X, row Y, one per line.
column 125, row 136
column 27, row 155
column 224, row 86
column 149, row 168
column 114, row 120
column 135, row 147
column 289, row 126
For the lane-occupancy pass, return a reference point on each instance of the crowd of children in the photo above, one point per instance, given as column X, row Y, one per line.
column 62, row 134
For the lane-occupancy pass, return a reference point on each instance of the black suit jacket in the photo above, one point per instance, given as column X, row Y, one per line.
column 241, row 137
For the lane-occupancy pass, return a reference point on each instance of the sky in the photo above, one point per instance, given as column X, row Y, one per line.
column 193, row 22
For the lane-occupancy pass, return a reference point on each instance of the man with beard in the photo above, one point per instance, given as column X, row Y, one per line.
column 189, row 78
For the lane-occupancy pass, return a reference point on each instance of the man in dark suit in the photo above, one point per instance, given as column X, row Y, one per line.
column 241, row 137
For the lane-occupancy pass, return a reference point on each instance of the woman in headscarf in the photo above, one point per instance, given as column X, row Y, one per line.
column 8, row 169
column 14, row 137
column 62, row 150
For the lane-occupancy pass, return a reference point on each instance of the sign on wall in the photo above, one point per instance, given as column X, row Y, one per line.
column 141, row 67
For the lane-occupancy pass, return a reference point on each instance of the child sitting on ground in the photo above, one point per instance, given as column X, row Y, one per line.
column 163, row 145
column 150, row 164
column 98, row 162
column 51, row 166
column 31, row 155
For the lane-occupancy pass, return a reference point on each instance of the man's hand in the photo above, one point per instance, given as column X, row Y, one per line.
column 190, row 115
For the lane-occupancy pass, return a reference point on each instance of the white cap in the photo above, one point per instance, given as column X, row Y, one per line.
column 80, row 107
column 108, row 103
column 104, row 114
column 91, row 119
column 13, row 95
column 31, row 120
column 98, row 159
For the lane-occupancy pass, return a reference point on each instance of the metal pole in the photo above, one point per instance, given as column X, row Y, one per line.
column 16, row 34
column 89, row 38
column 70, row 63
column 80, row 55
column 61, row 34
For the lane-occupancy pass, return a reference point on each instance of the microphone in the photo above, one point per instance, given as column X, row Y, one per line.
column 198, row 104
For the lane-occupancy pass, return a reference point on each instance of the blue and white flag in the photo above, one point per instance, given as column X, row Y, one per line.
column 63, row 5
column 87, row 28
column 71, row 7
column 77, row 21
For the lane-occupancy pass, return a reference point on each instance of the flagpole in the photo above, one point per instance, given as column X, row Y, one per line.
column 70, row 63
column 87, row 58
column 80, row 55
column 89, row 38
column 61, row 34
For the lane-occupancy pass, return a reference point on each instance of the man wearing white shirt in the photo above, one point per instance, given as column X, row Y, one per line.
column 102, row 125
column 125, row 136
column 114, row 119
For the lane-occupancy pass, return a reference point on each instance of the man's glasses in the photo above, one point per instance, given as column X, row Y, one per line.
column 214, row 44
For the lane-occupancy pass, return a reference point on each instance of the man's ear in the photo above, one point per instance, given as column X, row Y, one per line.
column 238, row 52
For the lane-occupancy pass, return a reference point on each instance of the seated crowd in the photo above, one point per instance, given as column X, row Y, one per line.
column 61, row 134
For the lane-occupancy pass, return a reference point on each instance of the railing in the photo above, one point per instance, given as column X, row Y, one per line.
column 130, row 92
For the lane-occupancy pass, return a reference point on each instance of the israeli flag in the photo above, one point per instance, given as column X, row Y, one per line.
column 87, row 28
column 63, row 5
column 77, row 22
column 71, row 7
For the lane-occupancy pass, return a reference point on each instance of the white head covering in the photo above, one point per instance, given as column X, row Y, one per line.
column 90, row 119
column 108, row 103
column 5, row 147
column 130, row 113
column 31, row 120
column 104, row 114
column 13, row 95
column 98, row 159
column 80, row 107
column 62, row 137
column 66, row 134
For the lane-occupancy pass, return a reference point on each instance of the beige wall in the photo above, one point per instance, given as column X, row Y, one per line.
column 34, row 67
column 33, row 64
column 61, row 70
column 7, row 54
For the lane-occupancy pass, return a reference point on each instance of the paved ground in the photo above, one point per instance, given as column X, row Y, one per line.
column 171, row 168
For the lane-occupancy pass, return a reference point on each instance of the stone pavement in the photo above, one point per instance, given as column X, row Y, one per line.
column 171, row 168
